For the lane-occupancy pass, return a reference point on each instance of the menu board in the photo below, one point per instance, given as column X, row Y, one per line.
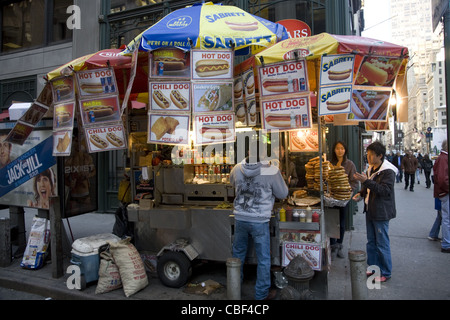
column 286, row 114
column 96, row 82
column 170, row 96
column 214, row 128
column 312, row 253
column 214, row 64
column 283, row 78
column 105, row 138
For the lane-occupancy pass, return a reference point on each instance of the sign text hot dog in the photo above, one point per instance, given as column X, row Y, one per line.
column 286, row 114
column 283, row 78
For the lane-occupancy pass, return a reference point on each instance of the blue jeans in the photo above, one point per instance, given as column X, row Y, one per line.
column 445, row 227
column 434, row 232
column 378, row 246
column 260, row 234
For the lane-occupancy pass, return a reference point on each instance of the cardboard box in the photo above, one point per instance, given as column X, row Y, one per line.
column 17, row 110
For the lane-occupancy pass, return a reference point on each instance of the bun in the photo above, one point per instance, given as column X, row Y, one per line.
column 114, row 139
column 178, row 100
column 298, row 143
column 100, row 111
column 279, row 120
column 215, row 133
column 278, row 85
column 160, row 99
column 373, row 73
column 337, row 105
column 339, row 75
column 211, row 67
column 98, row 142
column 170, row 64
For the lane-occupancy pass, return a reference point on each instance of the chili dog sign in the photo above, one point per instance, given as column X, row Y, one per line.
column 283, row 78
column 170, row 96
column 286, row 114
column 106, row 138
column 310, row 252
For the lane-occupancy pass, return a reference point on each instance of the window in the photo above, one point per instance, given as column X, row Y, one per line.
column 28, row 24
column 23, row 90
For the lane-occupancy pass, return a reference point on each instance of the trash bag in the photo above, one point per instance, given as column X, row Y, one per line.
column 122, row 227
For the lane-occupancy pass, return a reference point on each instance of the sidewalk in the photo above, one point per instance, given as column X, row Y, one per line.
column 420, row 270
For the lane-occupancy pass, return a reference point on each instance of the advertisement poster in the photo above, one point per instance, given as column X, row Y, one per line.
column 63, row 116
column 63, row 89
column 378, row 71
column 106, row 138
column 173, row 129
column 96, row 82
column 216, row 128
column 377, row 126
column 20, row 133
column 80, row 179
column 214, row 64
column 208, row 97
column 286, row 114
column 310, row 252
column 28, row 172
column 334, row 99
column 169, row 63
column 283, row 78
column 100, row 110
column 62, row 140
column 369, row 105
column 304, row 140
column 170, row 96
column 336, row 69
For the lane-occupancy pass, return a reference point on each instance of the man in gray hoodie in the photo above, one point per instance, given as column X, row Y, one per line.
column 257, row 184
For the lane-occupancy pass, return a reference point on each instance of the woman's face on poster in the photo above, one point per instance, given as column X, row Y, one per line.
column 44, row 187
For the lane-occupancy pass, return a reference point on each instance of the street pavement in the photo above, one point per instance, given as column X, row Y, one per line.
column 420, row 269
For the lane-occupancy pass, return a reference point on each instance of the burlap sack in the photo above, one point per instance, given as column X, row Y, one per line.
column 108, row 274
column 131, row 267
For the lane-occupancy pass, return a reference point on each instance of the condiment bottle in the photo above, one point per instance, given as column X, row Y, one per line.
column 296, row 216
column 289, row 214
column 315, row 217
column 308, row 214
column 282, row 214
column 302, row 216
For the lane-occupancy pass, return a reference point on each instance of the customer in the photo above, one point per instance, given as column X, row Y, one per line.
column 379, row 205
column 409, row 166
column 427, row 165
column 257, row 184
column 440, row 170
column 397, row 162
column 339, row 159
column 434, row 232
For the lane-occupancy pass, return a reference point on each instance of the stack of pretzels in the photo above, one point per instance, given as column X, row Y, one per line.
column 340, row 188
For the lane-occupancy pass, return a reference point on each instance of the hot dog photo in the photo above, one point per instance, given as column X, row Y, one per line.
column 62, row 89
column 283, row 78
column 212, row 64
column 304, row 140
column 369, row 105
column 214, row 128
column 106, row 138
column 334, row 99
column 336, row 69
column 96, row 82
column 210, row 96
column 378, row 71
column 170, row 62
column 169, row 96
column 100, row 110
column 286, row 114
column 63, row 115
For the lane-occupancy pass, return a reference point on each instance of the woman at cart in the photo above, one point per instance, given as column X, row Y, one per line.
column 339, row 159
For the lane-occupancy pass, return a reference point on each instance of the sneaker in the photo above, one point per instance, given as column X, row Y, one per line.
column 412, row 190
column 445, row 250
column 418, row 182
column 433, row 239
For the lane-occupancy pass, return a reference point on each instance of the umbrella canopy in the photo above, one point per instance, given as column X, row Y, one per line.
column 108, row 58
column 314, row 47
column 211, row 26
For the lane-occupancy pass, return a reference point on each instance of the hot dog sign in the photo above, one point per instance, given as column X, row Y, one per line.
column 208, row 65
column 336, row 69
column 283, row 78
column 217, row 128
column 286, row 114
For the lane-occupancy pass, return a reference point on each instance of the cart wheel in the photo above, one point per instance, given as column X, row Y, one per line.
column 174, row 269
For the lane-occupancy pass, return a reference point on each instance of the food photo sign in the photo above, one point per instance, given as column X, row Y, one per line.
column 212, row 97
column 283, row 78
column 217, row 64
column 370, row 105
column 304, row 140
column 170, row 96
column 96, row 82
column 312, row 253
column 100, row 110
column 106, row 138
column 169, row 63
column 168, row 129
column 286, row 114
column 214, row 128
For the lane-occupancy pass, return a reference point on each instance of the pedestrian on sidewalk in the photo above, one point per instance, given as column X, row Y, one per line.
column 397, row 162
column 339, row 159
column 434, row 232
column 427, row 165
column 409, row 166
column 379, row 205
column 440, row 170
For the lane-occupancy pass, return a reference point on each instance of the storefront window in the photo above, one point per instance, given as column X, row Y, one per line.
column 22, row 25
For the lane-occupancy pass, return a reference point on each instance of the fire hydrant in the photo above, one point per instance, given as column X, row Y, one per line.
column 298, row 273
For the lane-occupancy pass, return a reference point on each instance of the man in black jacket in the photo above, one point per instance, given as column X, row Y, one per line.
column 397, row 162
column 379, row 205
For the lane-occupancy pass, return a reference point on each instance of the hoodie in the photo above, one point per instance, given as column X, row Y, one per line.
column 257, row 185
column 378, row 191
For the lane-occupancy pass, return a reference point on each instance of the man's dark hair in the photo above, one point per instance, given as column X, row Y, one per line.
column 378, row 148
